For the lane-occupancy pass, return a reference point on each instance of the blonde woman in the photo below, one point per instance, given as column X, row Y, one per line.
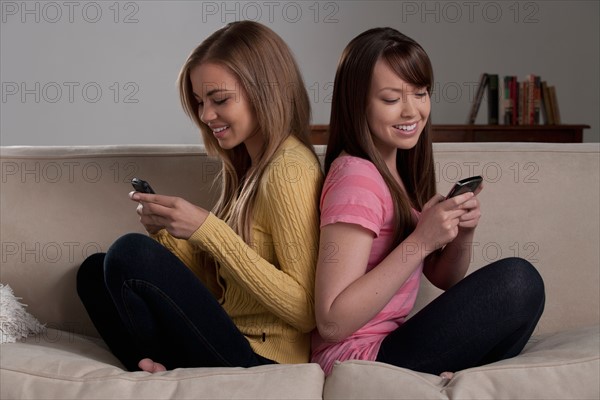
column 231, row 287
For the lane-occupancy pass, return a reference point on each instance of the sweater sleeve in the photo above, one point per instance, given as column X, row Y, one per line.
column 288, row 196
column 181, row 248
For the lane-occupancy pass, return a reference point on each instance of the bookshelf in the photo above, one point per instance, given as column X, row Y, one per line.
column 509, row 133
column 489, row 133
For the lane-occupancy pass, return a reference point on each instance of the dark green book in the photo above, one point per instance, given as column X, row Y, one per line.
column 493, row 99
column 477, row 100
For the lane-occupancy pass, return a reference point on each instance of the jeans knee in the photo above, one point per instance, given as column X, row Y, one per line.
column 128, row 243
column 130, row 246
column 131, row 255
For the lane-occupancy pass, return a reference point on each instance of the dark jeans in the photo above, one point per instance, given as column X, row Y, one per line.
column 145, row 302
column 486, row 317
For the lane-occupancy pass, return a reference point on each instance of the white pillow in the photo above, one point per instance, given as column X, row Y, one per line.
column 15, row 322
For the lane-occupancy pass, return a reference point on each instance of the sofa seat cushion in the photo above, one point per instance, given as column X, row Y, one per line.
column 62, row 365
column 564, row 365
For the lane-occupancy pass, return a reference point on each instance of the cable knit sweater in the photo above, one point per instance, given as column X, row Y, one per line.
column 268, row 285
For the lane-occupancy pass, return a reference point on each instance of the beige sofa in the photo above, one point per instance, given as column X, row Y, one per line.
column 60, row 204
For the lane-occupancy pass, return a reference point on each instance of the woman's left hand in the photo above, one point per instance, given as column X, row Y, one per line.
column 471, row 218
column 179, row 217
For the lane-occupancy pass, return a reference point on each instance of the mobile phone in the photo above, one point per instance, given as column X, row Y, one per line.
column 141, row 185
column 465, row 185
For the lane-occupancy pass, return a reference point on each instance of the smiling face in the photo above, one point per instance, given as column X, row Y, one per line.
column 223, row 106
column 396, row 111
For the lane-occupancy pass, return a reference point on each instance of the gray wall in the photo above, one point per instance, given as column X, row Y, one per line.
column 102, row 72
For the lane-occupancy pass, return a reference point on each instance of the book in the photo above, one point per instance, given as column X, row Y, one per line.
column 514, row 94
column 493, row 99
column 529, row 108
column 508, row 101
column 532, row 114
column 522, row 102
column 546, row 105
column 554, row 105
column 514, row 102
column 501, row 103
column 483, row 81
column 537, row 99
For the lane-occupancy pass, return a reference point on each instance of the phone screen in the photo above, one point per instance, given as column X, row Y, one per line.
column 465, row 185
column 142, row 186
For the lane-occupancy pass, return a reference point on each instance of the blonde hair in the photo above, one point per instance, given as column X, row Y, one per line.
column 271, row 79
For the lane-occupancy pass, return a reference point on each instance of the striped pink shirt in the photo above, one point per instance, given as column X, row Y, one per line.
column 354, row 192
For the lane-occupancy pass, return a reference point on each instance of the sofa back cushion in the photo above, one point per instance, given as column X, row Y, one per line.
column 539, row 202
column 61, row 204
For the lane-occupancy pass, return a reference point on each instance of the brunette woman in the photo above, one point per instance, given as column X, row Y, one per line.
column 383, row 226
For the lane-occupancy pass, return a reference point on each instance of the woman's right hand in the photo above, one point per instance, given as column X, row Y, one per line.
column 438, row 223
column 179, row 217
column 150, row 228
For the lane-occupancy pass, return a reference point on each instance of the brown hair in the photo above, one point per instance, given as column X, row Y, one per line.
column 349, row 130
column 266, row 70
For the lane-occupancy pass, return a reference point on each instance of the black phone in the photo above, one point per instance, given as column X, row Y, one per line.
column 465, row 185
column 142, row 186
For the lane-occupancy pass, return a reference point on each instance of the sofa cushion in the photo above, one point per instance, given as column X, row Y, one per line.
column 564, row 365
column 63, row 365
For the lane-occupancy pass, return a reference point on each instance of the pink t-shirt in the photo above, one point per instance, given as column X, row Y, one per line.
column 354, row 192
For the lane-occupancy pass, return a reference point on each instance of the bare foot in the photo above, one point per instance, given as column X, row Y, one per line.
column 447, row 375
column 148, row 365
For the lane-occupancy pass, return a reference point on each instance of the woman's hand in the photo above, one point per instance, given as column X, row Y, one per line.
column 179, row 217
column 440, row 220
column 470, row 220
column 451, row 265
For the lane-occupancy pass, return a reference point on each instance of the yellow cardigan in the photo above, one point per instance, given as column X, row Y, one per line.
column 269, row 284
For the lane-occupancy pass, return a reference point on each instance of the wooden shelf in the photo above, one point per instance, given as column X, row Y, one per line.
column 509, row 133
column 489, row 133
column 319, row 134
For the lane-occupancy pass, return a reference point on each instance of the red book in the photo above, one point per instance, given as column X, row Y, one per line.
column 529, row 113
column 514, row 93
